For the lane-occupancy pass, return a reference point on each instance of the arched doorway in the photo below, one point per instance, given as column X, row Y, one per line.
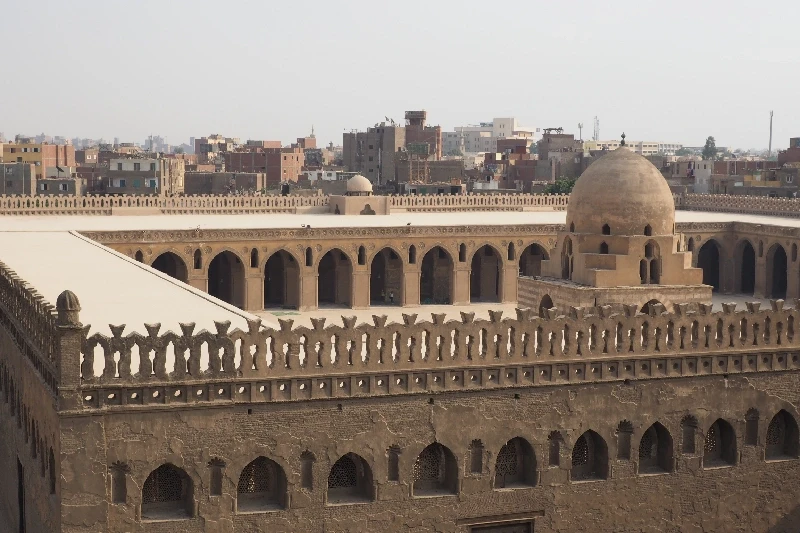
column 334, row 279
column 776, row 272
column 281, row 281
column 648, row 306
column 436, row 279
column 530, row 262
column 386, row 278
column 746, row 268
column 485, row 278
column 172, row 265
column 708, row 260
column 226, row 278
column 544, row 305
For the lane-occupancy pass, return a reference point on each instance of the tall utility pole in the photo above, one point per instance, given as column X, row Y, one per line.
column 769, row 152
column 580, row 130
column 596, row 134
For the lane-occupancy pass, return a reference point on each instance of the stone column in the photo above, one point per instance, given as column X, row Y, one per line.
column 411, row 278
column 253, row 290
column 461, row 284
column 761, row 276
column 509, row 280
column 308, row 289
column 360, row 288
column 198, row 281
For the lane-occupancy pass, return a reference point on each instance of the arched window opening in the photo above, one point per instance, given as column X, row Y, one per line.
column 777, row 272
column 719, row 448
column 172, row 265
column 281, row 281
column 198, row 259
column 544, row 305
column 655, row 271
column 412, row 255
column 307, row 460
column 782, row 437
column 262, row 486
column 648, row 230
column 690, row 245
column 589, row 458
column 476, row 457
column 794, row 252
column 760, row 248
column 350, row 480
column 254, row 258
column 435, row 472
column 746, row 263
column 393, row 466
column 708, row 260
column 362, row 255
column 655, row 450
column 226, row 278
column 566, row 259
column 606, row 229
column 624, row 432
column 335, row 273
column 515, row 465
column 572, row 227
column 309, row 257
column 167, row 494
column 216, row 467
column 530, row 260
column 751, row 428
column 603, row 247
column 643, row 271
column 436, row 277
column 512, row 252
column 139, row 256
column 119, row 482
column 386, row 278
column 462, row 253
column 486, row 273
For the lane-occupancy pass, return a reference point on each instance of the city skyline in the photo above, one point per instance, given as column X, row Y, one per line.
column 340, row 68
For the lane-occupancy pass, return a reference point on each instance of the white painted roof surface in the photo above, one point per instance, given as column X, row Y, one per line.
column 288, row 221
column 112, row 288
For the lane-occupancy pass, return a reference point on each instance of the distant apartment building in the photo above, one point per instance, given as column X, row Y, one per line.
column 278, row 164
column 411, row 169
column 222, row 183
column 373, row 152
column 67, row 186
column 327, row 175
column 644, row 148
column 791, row 154
column 206, row 148
column 18, row 179
column 41, row 155
column 483, row 137
column 87, row 156
column 144, row 176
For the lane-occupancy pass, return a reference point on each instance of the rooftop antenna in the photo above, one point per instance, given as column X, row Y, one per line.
column 580, row 130
column 769, row 151
column 596, row 134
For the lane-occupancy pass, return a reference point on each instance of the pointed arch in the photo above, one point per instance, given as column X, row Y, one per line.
column 709, row 260
column 198, row 259
column 719, row 448
column 334, row 279
column 515, row 465
column 486, row 275
column 745, row 263
column 777, row 271
column 226, row 278
column 167, row 494
column 172, row 265
column 530, row 260
column 261, row 487
column 350, row 480
column 435, row 471
column 782, row 437
column 436, row 277
column 281, row 281
column 655, row 450
column 139, row 256
column 589, row 457
column 545, row 304
column 624, row 432
column 386, row 278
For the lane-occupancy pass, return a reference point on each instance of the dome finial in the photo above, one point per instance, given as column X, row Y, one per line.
column 622, row 142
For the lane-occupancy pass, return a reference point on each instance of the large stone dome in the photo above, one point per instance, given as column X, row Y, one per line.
column 625, row 191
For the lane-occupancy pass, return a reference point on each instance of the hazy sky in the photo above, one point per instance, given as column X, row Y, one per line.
column 673, row 71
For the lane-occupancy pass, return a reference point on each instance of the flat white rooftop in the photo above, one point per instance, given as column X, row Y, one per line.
column 112, row 288
column 287, row 221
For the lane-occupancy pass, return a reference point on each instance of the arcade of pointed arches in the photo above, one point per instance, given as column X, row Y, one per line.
column 261, row 484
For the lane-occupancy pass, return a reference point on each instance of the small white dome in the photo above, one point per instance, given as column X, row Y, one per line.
column 359, row 183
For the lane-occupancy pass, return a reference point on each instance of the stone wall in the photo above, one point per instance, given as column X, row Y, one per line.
column 752, row 205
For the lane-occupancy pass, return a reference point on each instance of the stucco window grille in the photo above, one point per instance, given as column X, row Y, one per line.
column 342, row 474
column 434, row 471
column 782, row 437
column 719, row 448
column 580, row 454
column 589, row 458
column 349, row 480
column 167, row 494
column 515, row 465
column 260, row 486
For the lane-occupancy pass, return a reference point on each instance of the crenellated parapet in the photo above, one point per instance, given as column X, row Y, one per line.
column 347, row 360
column 31, row 322
column 728, row 203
